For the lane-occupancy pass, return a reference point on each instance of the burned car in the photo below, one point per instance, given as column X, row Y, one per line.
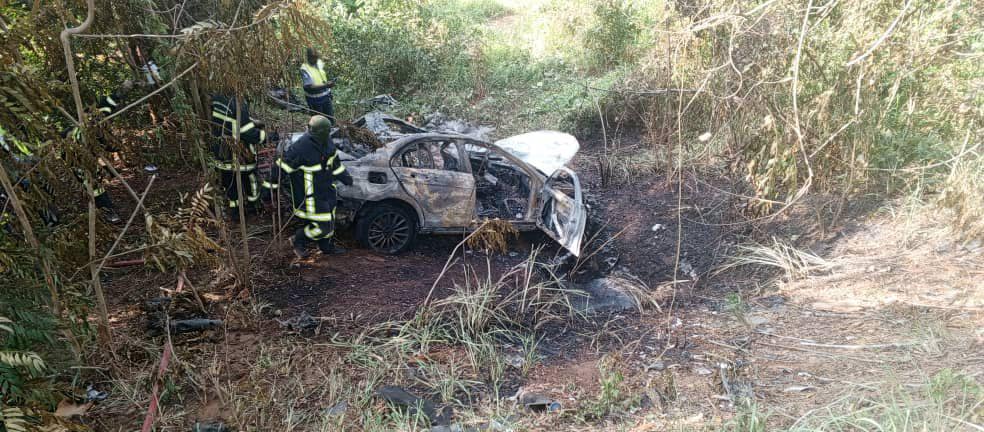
column 410, row 181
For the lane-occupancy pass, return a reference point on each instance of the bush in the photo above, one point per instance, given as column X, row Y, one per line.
column 611, row 38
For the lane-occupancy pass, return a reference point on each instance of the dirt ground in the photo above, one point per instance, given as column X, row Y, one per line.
column 890, row 305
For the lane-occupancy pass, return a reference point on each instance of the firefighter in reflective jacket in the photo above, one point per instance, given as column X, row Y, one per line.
column 311, row 165
column 251, row 134
column 106, row 105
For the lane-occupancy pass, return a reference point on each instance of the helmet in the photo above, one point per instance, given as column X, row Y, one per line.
column 320, row 127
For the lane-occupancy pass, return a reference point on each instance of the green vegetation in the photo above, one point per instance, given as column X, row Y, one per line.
column 785, row 98
column 947, row 401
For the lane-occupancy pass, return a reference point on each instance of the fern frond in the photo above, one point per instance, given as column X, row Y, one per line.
column 23, row 359
column 13, row 419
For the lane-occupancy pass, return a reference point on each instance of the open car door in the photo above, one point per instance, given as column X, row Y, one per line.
column 563, row 215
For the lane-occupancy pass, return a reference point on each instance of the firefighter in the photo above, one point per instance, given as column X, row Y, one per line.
column 106, row 106
column 311, row 165
column 251, row 135
column 317, row 86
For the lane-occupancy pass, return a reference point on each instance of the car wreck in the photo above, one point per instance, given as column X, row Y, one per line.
column 410, row 181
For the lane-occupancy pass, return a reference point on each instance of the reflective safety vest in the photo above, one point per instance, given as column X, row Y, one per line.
column 318, row 78
column 311, row 169
column 225, row 125
column 107, row 105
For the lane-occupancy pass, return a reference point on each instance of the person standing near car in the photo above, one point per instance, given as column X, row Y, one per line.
column 317, row 86
column 311, row 164
column 231, row 156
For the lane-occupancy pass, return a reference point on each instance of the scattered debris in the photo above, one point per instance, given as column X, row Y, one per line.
column 688, row 269
column 798, row 389
column 336, row 410
column 300, row 323
column 655, row 366
column 537, row 402
column 658, row 227
column 182, row 314
column 401, row 398
column 210, row 427
column 93, row 395
column 439, row 122
column 735, row 383
column 702, row 371
column 609, row 294
column 756, row 320
column 194, row 324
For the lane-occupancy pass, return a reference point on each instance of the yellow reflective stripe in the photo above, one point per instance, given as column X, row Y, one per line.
column 310, row 168
column 248, row 127
column 233, row 203
column 262, row 135
column 318, row 217
column 312, row 231
column 284, row 166
column 223, row 117
column 339, row 170
column 254, row 189
column 269, row 185
column 106, row 109
column 110, row 101
column 309, row 193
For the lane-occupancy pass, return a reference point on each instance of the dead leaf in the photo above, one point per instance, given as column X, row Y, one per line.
column 69, row 409
column 798, row 388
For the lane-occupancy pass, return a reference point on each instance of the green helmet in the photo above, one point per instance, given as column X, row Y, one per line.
column 320, row 128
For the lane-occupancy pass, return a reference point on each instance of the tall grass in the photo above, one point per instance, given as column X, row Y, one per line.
column 797, row 96
column 948, row 401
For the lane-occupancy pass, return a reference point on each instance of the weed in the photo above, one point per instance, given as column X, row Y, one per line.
column 948, row 400
column 749, row 418
column 793, row 262
column 736, row 305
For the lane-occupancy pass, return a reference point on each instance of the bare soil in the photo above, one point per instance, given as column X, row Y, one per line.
column 892, row 307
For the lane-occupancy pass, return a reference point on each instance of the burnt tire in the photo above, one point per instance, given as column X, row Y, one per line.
column 387, row 228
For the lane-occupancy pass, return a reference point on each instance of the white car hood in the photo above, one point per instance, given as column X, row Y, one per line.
column 547, row 151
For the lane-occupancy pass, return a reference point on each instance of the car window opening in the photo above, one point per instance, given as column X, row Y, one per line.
column 502, row 190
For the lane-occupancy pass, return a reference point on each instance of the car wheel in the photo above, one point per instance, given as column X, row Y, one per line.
column 387, row 228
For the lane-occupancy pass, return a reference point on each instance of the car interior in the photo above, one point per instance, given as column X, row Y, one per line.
column 502, row 189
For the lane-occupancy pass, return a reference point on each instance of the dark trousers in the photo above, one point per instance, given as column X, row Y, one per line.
column 102, row 198
column 321, row 232
column 251, row 188
column 323, row 105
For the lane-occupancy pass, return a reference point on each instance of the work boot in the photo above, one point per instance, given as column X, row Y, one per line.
column 300, row 247
column 333, row 250
column 110, row 216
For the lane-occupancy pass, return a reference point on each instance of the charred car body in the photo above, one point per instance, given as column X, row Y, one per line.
column 410, row 181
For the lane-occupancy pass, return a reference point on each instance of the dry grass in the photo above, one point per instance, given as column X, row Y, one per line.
column 493, row 236
column 964, row 194
column 793, row 262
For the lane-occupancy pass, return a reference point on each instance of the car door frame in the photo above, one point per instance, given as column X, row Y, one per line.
column 428, row 221
column 571, row 236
